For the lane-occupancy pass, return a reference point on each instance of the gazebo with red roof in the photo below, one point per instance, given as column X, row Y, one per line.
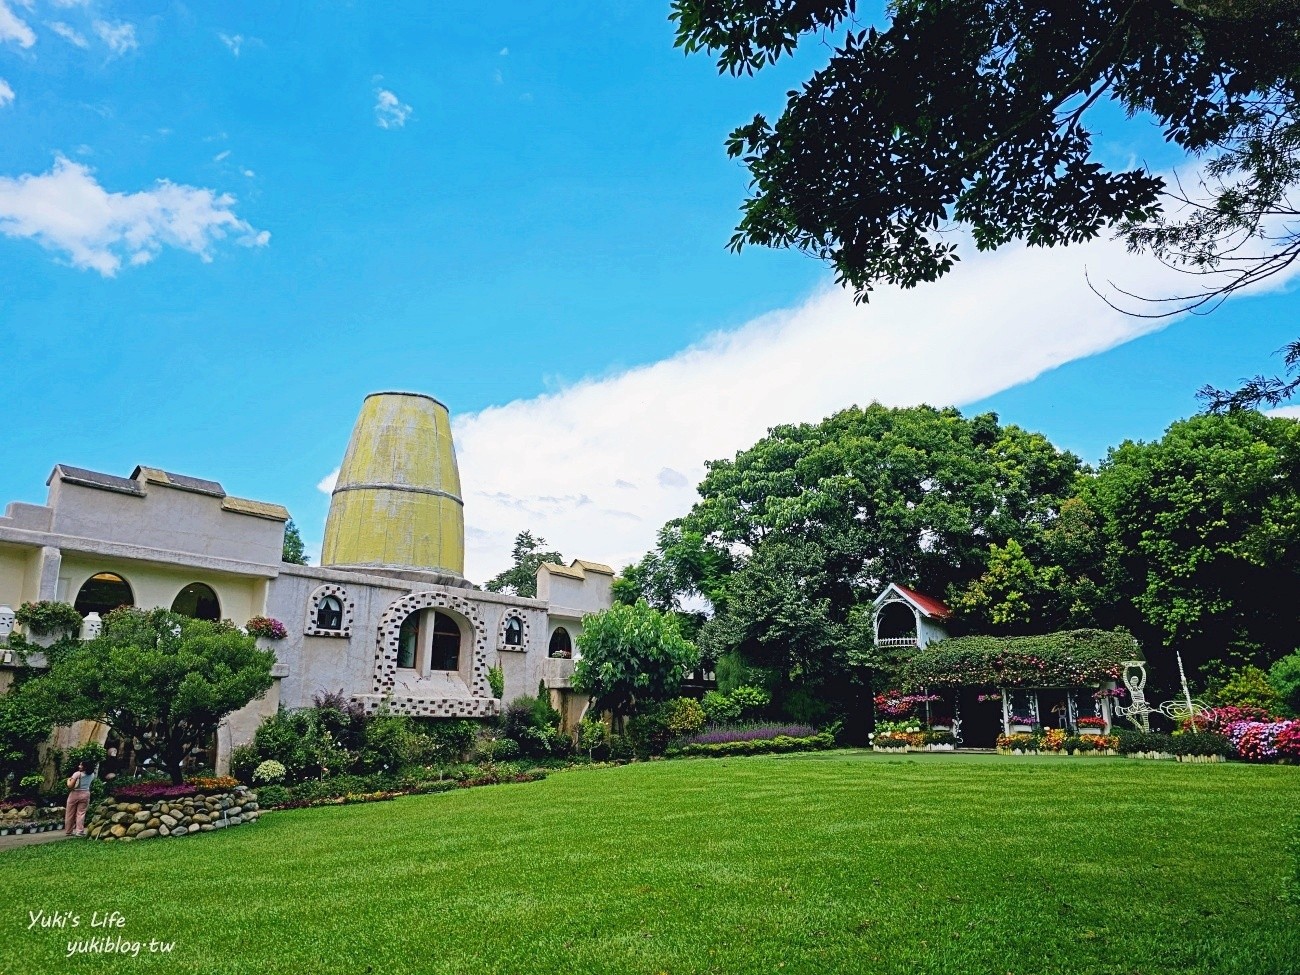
column 907, row 618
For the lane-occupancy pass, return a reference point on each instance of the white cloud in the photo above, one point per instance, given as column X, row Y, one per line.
column 232, row 41
column 6, row 93
column 67, row 211
column 13, row 28
column 597, row 467
column 326, row 484
column 248, row 173
column 504, row 52
column 390, row 111
column 120, row 38
column 1292, row 412
column 223, row 154
column 69, row 33
column 67, row 4
column 498, row 77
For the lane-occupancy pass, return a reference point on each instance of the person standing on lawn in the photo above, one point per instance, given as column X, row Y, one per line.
column 74, row 816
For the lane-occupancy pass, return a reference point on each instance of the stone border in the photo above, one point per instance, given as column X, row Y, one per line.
column 172, row 818
column 313, row 605
column 480, row 703
column 524, row 638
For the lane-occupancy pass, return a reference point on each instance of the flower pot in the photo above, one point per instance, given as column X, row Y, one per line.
column 1022, row 729
column 1090, row 732
column 941, row 726
column 938, row 748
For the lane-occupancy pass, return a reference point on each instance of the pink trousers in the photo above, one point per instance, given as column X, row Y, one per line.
column 74, row 817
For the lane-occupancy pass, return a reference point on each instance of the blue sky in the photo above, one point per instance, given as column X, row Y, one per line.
column 222, row 225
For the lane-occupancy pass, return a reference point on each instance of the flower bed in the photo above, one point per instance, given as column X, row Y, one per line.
column 1054, row 741
column 762, row 732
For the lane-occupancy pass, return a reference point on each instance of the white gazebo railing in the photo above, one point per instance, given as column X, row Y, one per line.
column 897, row 641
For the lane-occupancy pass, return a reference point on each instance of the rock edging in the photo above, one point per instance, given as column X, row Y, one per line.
column 172, row 818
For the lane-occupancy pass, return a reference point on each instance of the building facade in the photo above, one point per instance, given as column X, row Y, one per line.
column 387, row 618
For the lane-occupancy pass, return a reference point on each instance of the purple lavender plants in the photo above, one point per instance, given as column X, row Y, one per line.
column 762, row 732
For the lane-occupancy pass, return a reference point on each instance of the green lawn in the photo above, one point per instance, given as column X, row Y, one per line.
column 833, row 862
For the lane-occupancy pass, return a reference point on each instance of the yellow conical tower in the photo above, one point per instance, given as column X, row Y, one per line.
column 397, row 501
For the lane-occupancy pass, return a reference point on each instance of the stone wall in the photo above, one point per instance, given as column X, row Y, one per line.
column 126, row 821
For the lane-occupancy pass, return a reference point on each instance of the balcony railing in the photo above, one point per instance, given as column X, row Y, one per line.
column 897, row 641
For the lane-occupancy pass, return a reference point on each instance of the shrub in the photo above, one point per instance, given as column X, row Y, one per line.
column 720, row 708
column 497, row 681
column 1284, row 677
column 621, row 748
column 447, row 740
column 1141, row 742
column 92, row 753
column 759, row 746
column 271, row 796
column 940, row 738
column 1248, row 688
column 683, row 716
column 1200, row 743
column 1063, row 659
column 269, row 771
column 593, row 738
column 47, row 616
column 752, row 700
column 300, row 742
column 532, row 721
column 243, row 760
column 390, row 742
column 498, row 750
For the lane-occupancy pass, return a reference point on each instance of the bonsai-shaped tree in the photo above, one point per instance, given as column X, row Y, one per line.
column 160, row 680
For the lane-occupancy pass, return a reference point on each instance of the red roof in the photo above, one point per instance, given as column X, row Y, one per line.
column 931, row 607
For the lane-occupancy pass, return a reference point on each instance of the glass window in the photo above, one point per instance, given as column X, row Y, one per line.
column 561, row 645
column 102, row 593
column 329, row 614
column 445, row 652
column 514, row 632
column 197, row 601
column 408, row 641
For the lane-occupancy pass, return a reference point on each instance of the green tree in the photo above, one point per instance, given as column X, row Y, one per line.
column 976, row 113
column 160, row 680
column 293, row 552
column 1203, row 527
column 521, row 577
column 630, row 657
column 1284, row 675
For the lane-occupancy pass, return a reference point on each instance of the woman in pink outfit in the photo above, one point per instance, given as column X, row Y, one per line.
column 74, row 816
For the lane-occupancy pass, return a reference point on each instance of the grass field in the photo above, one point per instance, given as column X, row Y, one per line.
column 833, row 862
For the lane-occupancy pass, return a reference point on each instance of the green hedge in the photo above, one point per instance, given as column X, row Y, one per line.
column 761, row 746
column 1069, row 658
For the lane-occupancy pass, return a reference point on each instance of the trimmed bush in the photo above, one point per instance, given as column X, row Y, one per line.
column 758, row 746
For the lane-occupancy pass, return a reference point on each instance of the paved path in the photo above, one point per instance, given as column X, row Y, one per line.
column 30, row 839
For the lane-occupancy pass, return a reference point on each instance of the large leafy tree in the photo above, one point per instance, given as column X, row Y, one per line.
column 631, row 656
column 976, row 114
column 1204, row 525
column 528, row 555
column 805, row 527
column 160, row 680
column 293, row 550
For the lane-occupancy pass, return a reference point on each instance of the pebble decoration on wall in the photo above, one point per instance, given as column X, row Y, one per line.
column 480, row 704
column 313, row 608
column 523, row 644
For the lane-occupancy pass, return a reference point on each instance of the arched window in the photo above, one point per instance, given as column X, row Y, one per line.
column 198, row 601
column 561, row 645
column 329, row 613
column 514, row 632
column 445, row 651
column 408, row 641
column 102, row 593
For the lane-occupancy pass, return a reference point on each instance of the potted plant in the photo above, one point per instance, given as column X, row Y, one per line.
column 1023, row 724
column 940, row 740
column 1091, row 726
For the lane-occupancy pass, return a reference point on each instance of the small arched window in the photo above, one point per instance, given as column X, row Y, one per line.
column 329, row 613
column 445, row 652
column 102, row 593
column 197, row 601
column 514, row 632
column 561, row 645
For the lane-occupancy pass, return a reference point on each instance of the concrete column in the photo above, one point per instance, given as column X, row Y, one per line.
column 48, row 576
